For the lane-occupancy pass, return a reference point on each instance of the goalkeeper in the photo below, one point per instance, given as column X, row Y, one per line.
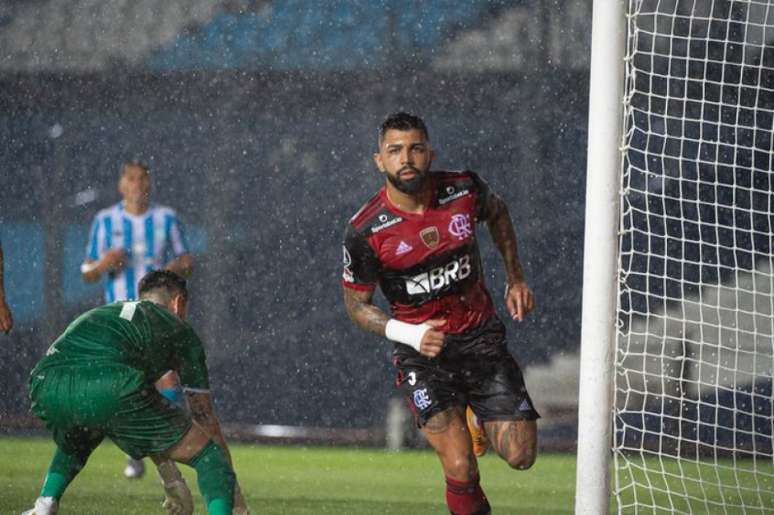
column 97, row 381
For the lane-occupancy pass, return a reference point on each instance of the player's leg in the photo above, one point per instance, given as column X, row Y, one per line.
column 214, row 474
column 515, row 441
column 500, row 400
column 70, row 404
column 447, row 433
column 72, row 451
column 149, row 425
column 168, row 386
column 65, row 465
column 433, row 398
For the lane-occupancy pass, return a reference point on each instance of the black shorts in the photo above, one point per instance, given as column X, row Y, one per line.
column 474, row 368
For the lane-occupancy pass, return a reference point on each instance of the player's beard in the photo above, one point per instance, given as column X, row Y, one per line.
column 409, row 186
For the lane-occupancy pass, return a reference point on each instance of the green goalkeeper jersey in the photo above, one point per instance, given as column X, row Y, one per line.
column 138, row 334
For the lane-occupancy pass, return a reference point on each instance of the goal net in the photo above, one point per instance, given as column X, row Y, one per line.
column 695, row 336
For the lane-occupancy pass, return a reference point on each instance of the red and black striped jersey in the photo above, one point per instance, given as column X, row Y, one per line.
column 427, row 265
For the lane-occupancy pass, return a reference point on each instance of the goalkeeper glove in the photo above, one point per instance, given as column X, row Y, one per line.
column 177, row 496
column 240, row 508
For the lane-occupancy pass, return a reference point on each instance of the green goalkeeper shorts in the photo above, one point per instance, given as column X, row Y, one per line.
column 81, row 406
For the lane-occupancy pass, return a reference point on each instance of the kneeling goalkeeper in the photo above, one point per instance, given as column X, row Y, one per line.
column 97, row 380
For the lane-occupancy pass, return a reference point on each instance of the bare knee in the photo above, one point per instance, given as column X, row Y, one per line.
column 515, row 442
column 521, row 457
column 462, row 468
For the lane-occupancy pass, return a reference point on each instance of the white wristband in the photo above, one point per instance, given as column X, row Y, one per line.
column 88, row 267
column 402, row 332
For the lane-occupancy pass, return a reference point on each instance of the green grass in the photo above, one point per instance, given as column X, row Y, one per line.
column 292, row 480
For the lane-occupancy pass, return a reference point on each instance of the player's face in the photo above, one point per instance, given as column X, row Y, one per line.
column 405, row 158
column 135, row 185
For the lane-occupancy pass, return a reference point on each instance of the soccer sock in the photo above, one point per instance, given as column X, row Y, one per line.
column 466, row 497
column 63, row 469
column 216, row 479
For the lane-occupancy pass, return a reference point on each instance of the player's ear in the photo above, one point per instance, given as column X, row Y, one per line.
column 121, row 185
column 378, row 161
column 180, row 305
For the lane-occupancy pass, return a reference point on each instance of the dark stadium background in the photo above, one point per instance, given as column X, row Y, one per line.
column 265, row 153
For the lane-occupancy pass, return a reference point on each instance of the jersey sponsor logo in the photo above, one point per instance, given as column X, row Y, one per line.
column 385, row 223
column 460, row 226
column 452, row 195
column 347, row 262
column 525, row 406
column 430, row 236
column 438, row 278
column 421, row 399
column 403, row 248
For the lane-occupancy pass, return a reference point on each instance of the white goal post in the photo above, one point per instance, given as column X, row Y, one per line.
column 677, row 349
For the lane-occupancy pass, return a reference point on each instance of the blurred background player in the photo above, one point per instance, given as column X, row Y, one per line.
column 128, row 240
column 97, row 380
column 6, row 319
column 416, row 239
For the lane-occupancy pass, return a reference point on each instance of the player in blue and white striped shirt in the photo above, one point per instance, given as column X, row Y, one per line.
column 131, row 238
column 128, row 240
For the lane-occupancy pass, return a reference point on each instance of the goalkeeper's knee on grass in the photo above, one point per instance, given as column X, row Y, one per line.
column 216, row 478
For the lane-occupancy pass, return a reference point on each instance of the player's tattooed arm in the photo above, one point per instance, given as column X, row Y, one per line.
column 518, row 296
column 202, row 410
column 203, row 414
column 363, row 312
column 504, row 237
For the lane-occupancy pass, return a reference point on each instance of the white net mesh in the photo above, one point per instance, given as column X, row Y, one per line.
column 695, row 342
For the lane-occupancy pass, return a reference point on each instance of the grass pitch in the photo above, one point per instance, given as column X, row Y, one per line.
column 292, row 481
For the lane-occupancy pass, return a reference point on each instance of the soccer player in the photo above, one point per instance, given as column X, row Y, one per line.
column 6, row 319
column 128, row 240
column 97, row 380
column 416, row 240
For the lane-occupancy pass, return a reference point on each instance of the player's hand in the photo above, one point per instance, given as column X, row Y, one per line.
column 177, row 498
column 519, row 300
column 432, row 341
column 114, row 259
column 240, row 507
column 6, row 320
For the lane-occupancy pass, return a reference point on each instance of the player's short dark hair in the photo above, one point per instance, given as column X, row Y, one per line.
column 163, row 282
column 135, row 163
column 402, row 121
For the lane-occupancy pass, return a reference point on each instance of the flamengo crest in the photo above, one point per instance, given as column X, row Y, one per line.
column 460, row 226
column 430, row 236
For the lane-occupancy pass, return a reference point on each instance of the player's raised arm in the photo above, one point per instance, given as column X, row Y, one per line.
column 518, row 296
